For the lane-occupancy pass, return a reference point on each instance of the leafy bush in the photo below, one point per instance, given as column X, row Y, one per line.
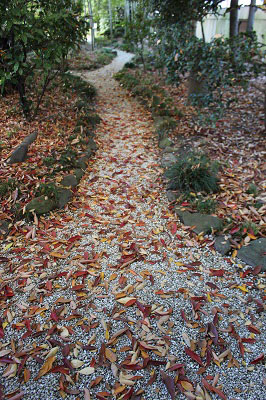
column 47, row 189
column 37, row 35
column 253, row 189
column 7, row 186
column 205, row 206
column 195, row 172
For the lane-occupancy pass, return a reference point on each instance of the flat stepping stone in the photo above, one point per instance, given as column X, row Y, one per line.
column 222, row 245
column 202, row 223
column 254, row 253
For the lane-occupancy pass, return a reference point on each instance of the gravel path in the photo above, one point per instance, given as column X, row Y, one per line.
column 114, row 296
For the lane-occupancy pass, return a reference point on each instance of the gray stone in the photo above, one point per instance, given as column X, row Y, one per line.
column 79, row 174
column 69, row 181
column 201, row 222
column 91, row 144
column 19, row 154
column 82, row 162
column 4, row 229
column 41, row 205
column 171, row 196
column 254, row 253
column 222, row 245
column 166, row 142
column 30, row 138
column 63, row 197
column 168, row 159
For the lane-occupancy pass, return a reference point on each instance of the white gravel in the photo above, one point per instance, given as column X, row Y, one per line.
column 121, row 210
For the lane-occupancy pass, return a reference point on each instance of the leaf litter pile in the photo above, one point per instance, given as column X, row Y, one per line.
column 115, row 299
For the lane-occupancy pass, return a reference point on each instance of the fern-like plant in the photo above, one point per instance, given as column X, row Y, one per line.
column 193, row 173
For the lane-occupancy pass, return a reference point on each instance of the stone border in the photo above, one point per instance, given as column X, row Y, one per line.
column 44, row 204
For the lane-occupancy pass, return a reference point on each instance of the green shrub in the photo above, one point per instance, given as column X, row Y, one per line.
column 7, row 186
column 47, row 189
column 193, row 173
column 253, row 189
column 49, row 161
column 205, row 206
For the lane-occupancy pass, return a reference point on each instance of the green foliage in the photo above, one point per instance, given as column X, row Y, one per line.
column 47, row 189
column 7, row 186
column 138, row 29
column 49, row 161
column 68, row 158
column 253, row 189
column 182, row 11
column 205, row 205
column 85, row 90
column 193, row 173
column 249, row 227
column 221, row 63
column 36, row 35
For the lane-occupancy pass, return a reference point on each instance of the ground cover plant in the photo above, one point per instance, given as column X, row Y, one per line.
column 90, row 60
column 65, row 123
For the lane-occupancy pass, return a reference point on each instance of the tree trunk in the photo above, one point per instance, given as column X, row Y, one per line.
column 233, row 18
column 251, row 15
column 91, row 25
column 110, row 18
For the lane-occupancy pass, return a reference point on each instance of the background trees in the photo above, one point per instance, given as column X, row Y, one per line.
column 36, row 37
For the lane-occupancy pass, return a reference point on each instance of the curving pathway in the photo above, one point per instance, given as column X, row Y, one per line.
column 115, row 299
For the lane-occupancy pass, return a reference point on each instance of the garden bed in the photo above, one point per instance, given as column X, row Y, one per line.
column 235, row 142
column 57, row 158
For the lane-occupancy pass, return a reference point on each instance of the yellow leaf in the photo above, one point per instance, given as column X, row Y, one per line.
column 124, row 300
column 243, row 288
column 110, row 355
column 187, row 386
column 46, row 366
column 209, row 298
column 251, row 236
column 8, row 246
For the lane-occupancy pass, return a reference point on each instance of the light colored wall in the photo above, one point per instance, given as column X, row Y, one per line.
column 220, row 25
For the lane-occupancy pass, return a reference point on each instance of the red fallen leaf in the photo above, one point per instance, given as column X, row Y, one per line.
column 54, row 316
column 194, row 356
column 217, row 272
column 169, row 383
column 78, row 287
column 132, row 367
column 257, row 359
column 254, row 329
column 152, row 379
column 176, row 366
column 96, row 381
column 49, row 285
column 74, row 238
column 183, row 315
column 241, row 348
column 103, row 395
column 129, row 394
column 213, row 389
column 61, row 369
column 234, row 230
column 256, row 270
column 130, row 303
column 173, row 228
column 248, row 340
column 146, row 310
column 212, row 285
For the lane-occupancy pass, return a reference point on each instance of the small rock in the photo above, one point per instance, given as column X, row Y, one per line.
column 171, row 196
column 4, row 227
column 166, row 142
column 91, row 144
column 79, row 174
column 222, row 245
column 19, row 154
column 168, row 159
column 202, row 222
column 254, row 253
column 69, row 181
column 63, row 197
column 41, row 205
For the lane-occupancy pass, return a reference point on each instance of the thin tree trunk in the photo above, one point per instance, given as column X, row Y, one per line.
column 202, row 31
column 110, row 18
column 251, row 15
column 233, row 18
column 91, row 24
